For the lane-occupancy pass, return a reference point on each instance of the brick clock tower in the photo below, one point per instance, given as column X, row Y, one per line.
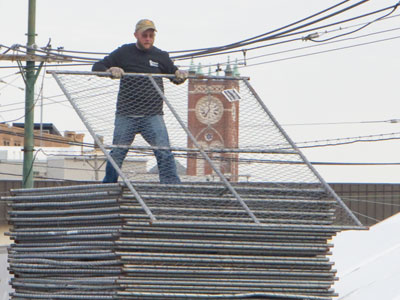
column 213, row 119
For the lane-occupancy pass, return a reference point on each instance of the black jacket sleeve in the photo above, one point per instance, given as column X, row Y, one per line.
column 169, row 67
column 107, row 62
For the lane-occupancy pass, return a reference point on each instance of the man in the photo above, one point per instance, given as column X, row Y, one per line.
column 139, row 105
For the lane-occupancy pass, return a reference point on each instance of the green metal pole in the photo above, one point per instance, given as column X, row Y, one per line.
column 29, row 100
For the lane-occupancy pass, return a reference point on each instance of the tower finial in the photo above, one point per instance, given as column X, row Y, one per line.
column 192, row 68
column 236, row 69
column 228, row 70
column 199, row 70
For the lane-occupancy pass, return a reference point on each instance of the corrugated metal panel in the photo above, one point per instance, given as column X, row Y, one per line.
column 370, row 202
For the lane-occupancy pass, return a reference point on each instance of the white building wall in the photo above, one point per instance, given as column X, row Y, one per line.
column 5, row 277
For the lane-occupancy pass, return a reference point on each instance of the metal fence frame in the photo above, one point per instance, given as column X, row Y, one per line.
column 227, row 184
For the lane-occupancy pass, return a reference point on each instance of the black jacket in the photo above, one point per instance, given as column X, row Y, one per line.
column 137, row 95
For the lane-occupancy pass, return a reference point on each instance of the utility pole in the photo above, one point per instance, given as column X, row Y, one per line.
column 30, row 74
column 30, row 79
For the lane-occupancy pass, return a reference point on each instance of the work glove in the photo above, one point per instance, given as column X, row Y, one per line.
column 116, row 72
column 180, row 77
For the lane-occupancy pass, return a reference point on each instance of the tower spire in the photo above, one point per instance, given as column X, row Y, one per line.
column 228, row 70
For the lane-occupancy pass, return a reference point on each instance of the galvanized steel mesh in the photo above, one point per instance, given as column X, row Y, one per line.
column 222, row 136
column 95, row 242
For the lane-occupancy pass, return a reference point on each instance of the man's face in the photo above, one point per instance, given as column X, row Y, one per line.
column 145, row 38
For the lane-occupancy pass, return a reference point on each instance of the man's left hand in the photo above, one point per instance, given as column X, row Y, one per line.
column 180, row 77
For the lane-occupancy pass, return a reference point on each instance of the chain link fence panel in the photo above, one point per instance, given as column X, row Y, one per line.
column 222, row 140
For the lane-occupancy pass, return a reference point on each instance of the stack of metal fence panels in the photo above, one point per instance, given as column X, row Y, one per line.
column 204, row 246
column 95, row 242
column 64, row 242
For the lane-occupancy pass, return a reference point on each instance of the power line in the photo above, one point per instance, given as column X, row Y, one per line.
column 365, row 216
column 341, row 28
column 288, row 33
column 322, row 44
column 369, row 201
column 320, row 52
column 286, row 51
column 360, row 28
column 274, row 34
column 263, row 37
column 50, row 98
column 93, row 59
column 349, row 140
column 51, row 167
column 33, row 104
column 44, row 177
column 52, row 65
column 325, row 163
column 6, row 84
column 9, row 75
column 303, row 144
column 178, row 51
column 244, row 50
column 344, row 123
column 46, row 104
column 264, row 34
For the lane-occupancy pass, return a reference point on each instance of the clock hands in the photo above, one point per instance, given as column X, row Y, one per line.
column 209, row 110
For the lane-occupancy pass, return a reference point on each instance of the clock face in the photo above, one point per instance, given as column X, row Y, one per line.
column 209, row 110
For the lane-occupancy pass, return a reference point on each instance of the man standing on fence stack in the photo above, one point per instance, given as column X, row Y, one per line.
column 139, row 105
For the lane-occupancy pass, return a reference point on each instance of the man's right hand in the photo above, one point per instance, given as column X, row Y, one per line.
column 116, row 72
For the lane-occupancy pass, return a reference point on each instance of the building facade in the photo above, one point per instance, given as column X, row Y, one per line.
column 213, row 120
column 46, row 135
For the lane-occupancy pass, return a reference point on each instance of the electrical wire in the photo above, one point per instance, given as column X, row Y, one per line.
column 369, row 201
column 9, row 75
column 344, row 123
column 365, row 216
column 245, row 60
column 300, row 48
column 320, row 52
column 259, row 38
column 302, row 144
column 103, row 158
column 60, row 50
column 358, row 29
column 89, row 59
column 264, row 34
column 62, row 102
column 33, row 105
column 277, row 33
column 325, row 163
column 144, row 153
column 78, row 58
column 341, row 28
column 52, row 65
column 7, row 84
column 53, row 167
column 45, row 177
column 50, row 98
column 349, row 140
column 317, row 45
column 288, row 33
column 281, row 52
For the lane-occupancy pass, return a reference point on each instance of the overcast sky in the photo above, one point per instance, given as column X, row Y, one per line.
column 351, row 86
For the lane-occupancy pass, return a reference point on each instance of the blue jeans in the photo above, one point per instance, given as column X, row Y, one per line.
column 153, row 130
